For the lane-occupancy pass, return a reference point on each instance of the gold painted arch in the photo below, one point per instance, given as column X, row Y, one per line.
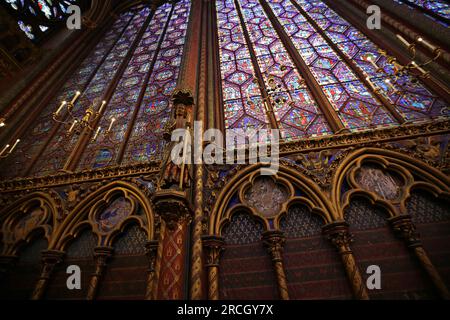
column 46, row 225
column 80, row 217
column 315, row 199
column 431, row 179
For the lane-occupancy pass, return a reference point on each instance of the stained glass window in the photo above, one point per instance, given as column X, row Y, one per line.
column 411, row 99
column 140, row 102
column 243, row 102
column 146, row 140
column 61, row 146
column 123, row 102
column 356, row 107
column 338, row 57
column 39, row 135
column 38, row 17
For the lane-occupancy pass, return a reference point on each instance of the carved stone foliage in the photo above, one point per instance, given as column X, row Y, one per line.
column 104, row 175
column 366, row 138
column 266, row 196
column 172, row 206
column 319, row 166
column 433, row 150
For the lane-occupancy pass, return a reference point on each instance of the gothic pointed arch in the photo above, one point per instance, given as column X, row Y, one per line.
column 108, row 211
column 397, row 175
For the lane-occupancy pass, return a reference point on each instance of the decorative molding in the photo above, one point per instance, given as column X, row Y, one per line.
column 366, row 138
column 68, row 178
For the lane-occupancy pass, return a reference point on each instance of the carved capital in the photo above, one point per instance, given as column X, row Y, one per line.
column 50, row 259
column 173, row 207
column 101, row 256
column 151, row 249
column 339, row 235
column 274, row 242
column 214, row 246
column 405, row 229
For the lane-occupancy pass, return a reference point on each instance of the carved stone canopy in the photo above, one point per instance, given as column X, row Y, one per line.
column 173, row 206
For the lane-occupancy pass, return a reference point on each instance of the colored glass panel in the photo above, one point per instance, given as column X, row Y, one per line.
column 59, row 149
column 411, row 98
column 355, row 105
column 104, row 150
column 39, row 133
column 146, row 140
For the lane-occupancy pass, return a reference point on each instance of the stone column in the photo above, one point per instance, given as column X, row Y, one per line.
column 405, row 229
column 338, row 234
column 214, row 247
column 101, row 256
column 49, row 260
column 274, row 242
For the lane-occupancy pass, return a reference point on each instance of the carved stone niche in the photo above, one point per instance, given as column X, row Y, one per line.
column 173, row 207
column 266, row 196
column 385, row 181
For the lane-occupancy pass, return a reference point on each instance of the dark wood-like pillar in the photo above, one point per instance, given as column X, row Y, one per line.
column 49, row 260
column 101, row 256
column 214, row 247
column 339, row 235
column 405, row 229
column 274, row 242
column 151, row 251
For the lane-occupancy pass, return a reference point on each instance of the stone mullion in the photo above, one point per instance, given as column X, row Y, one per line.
column 49, row 259
column 274, row 242
column 258, row 74
column 338, row 234
column 405, row 229
column 57, row 126
column 213, row 247
column 85, row 136
column 215, row 96
column 353, row 66
column 101, row 256
column 322, row 101
column 137, row 106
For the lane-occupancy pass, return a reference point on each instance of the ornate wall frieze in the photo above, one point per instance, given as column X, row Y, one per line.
column 61, row 179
